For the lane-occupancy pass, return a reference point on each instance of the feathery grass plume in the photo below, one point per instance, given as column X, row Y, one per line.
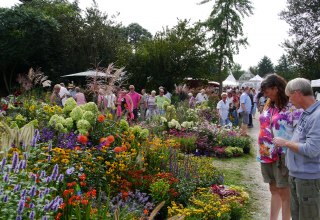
column 106, row 78
column 33, row 78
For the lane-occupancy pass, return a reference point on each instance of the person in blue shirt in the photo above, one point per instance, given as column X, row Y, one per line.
column 245, row 110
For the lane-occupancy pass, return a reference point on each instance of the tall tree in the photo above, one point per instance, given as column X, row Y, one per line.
column 265, row 66
column 286, row 69
column 136, row 33
column 303, row 16
column 225, row 26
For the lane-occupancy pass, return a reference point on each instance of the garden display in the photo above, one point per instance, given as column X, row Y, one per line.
column 73, row 162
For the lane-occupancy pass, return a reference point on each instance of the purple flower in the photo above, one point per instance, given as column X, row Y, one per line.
column 21, row 164
column 31, row 206
column 55, row 172
column 31, row 216
column 25, row 155
column 15, row 160
column 48, row 179
column 70, row 171
column 16, row 188
column 19, row 217
column 60, row 178
column 46, row 135
column 6, row 178
column 43, row 174
column 32, row 191
column 49, row 158
column 33, row 177
column 45, row 217
column 3, row 163
column 20, row 206
column 23, row 193
column 5, row 198
column 46, row 191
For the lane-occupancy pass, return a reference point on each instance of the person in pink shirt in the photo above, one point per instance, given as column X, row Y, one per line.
column 135, row 97
column 79, row 97
column 124, row 105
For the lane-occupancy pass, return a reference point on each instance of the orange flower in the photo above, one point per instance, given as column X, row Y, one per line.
column 77, row 148
column 103, row 140
column 83, row 184
column 117, row 149
column 146, row 212
column 82, row 139
column 123, row 148
column 101, row 118
column 82, row 177
column 62, row 206
column 84, row 202
column 110, row 138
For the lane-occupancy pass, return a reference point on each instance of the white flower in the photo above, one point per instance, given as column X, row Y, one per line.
column 163, row 119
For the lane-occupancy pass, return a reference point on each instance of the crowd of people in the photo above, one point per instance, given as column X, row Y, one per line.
column 122, row 102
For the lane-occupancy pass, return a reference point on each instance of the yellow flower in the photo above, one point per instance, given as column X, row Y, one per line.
column 66, row 161
column 32, row 108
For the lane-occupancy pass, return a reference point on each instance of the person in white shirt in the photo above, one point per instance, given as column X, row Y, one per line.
column 64, row 93
column 111, row 100
column 223, row 110
column 201, row 97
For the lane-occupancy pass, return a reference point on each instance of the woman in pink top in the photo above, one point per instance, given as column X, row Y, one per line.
column 124, row 105
column 79, row 97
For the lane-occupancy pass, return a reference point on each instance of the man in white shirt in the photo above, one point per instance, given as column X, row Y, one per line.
column 201, row 97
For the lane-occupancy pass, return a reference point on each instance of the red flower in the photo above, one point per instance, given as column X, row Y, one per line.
column 146, row 212
column 82, row 139
column 82, row 177
column 62, row 206
column 117, row 149
column 83, row 184
column 110, row 138
column 101, row 118
column 84, row 202
column 71, row 184
column 5, row 107
column 58, row 216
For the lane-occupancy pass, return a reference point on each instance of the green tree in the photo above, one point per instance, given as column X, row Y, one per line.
column 253, row 70
column 27, row 39
column 136, row 33
column 286, row 69
column 237, row 70
column 169, row 57
column 225, row 27
column 303, row 48
column 265, row 66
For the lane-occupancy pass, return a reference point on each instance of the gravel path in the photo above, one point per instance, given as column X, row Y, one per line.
column 260, row 191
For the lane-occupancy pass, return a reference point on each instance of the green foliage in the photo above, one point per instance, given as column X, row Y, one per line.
column 233, row 151
column 265, row 66
column 159, row 190
column 187, row 144
column 286, row 69
column 303, row 47
column 225, row 24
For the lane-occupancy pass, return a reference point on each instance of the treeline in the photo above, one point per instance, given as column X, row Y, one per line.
column 59, row 37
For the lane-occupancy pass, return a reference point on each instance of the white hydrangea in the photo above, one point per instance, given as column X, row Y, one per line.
column 187, row 124
column 163, row 119
column 174, row 124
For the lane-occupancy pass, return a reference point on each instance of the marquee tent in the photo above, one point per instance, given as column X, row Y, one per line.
column 315, row 83
column 87, row 73
column 257, row 78
column 230, row 81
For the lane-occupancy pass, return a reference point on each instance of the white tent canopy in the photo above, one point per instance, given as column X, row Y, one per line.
column 257, row 78
column 315, row 83
column 230, row 81
column 87, row 73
